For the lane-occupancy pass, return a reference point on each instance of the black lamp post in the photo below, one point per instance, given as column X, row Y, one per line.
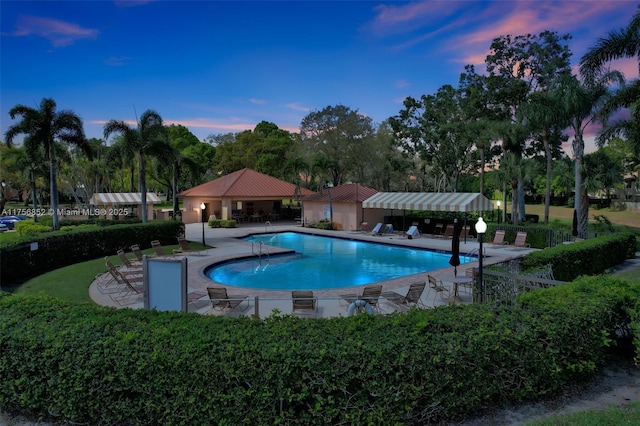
column 329, row 186
column 202, row 207
column 499, row 216
column 481, row 228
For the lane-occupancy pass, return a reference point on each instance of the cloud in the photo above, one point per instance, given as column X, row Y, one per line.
column 131, row 3
column 257, row 101
column 297, row 107
column 401, row 84
column 117, row 61
column 59, row 33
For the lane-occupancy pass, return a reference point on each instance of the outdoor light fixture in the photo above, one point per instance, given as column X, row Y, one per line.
column 499, row 203
column 202, row 207
column 329, row 186
column 481, row 228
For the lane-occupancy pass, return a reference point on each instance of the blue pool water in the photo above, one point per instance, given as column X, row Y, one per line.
column 322, row 263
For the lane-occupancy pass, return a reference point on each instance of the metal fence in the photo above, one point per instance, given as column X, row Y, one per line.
column 553, row 237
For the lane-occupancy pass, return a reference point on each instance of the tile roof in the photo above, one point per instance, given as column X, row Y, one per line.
column 245, row 183
column 347, row 193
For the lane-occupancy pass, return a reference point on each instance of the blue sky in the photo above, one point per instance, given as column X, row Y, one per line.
column 220, row 66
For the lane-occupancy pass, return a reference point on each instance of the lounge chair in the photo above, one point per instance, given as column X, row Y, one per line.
column 448, row 233
column 138, row 253
column 224, row 302
column 521, row 240
column 127, row 287
column 498, row 239
column 370, row 294
column 184, row 247
column 388, row 229
column 377, row 230
column 157, row 247
column 135, row 274
column 466, row 232
column 412, row 232
column 304, row 303
column 412, row 297
column 126, row 261
column 437, row 287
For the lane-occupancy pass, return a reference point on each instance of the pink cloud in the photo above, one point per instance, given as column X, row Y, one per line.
column 59, row 33
column 131, row 3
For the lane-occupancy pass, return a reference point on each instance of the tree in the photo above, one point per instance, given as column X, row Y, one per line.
column 140, row 139
column 619, row 44
column 45, row 127
column 336, row 132
column 581, row 101
column 518, row 67
column 436, row 129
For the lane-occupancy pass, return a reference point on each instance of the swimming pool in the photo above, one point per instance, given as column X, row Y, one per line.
column 322, row 263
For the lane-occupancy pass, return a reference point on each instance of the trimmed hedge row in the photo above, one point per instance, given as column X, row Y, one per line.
column 105, row 366
column 589, row 257
column 222, row 223
column 65, row 247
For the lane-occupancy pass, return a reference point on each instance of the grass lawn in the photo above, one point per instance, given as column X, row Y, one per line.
column 628, row 414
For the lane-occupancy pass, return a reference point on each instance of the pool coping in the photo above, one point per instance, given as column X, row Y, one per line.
column 227, row 246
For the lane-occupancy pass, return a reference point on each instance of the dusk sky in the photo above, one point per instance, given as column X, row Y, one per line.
column 221, row 66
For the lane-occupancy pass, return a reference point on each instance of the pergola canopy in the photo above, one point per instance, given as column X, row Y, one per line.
column 431, row 201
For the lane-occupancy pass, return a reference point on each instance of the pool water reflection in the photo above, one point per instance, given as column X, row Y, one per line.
column 322, row 263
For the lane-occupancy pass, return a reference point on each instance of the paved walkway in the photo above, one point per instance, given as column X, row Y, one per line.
column 227, row 245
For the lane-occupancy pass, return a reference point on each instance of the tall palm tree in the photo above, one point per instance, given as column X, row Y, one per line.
column 45, row 126
column 581, row 102
column 619, row 44
column 140, row 139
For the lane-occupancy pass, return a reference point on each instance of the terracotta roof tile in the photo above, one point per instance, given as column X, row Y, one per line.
column 245, row 183
column 346, row 193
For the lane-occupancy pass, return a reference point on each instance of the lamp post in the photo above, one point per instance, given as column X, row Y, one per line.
column 481, row 228
column 499, row 203
column 329, row 186
column 202, row 207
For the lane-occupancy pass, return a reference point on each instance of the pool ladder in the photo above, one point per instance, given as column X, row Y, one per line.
column 259, row 251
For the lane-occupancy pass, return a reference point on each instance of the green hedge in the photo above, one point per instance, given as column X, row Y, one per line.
column 220, row 223
column 104, row 366
column 589, row 257
column 77, row 244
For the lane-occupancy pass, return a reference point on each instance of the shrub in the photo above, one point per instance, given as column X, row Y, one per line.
column 29, row 227
column 75, row 244
column 589, row 257
column 220, row 223
column 98, row 365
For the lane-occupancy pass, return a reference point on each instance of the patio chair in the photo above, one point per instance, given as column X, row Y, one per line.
column 129, row 273
column 412, row 297
column 437, row 287
column 377, row 230
column 138, row 253
column 304, row 303
column 221, row 301
column 370, row 294
column 521, row 240
column 158, row 249
column 128, row 288
column 498, row 239
column 126, row 261
column 466, row 233
column 448, row 233
column 184, row 247
column 388, row 229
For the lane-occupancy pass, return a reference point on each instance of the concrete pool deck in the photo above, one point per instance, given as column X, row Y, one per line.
column 227, row 245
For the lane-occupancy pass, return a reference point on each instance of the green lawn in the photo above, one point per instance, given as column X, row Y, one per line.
column 628, row 414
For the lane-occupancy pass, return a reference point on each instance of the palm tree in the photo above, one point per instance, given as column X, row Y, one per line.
column 619, row 44
column 45, row 126
column 581, row 103
column 140, row 139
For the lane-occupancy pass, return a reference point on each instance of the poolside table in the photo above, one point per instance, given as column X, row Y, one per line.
column 456, row 281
